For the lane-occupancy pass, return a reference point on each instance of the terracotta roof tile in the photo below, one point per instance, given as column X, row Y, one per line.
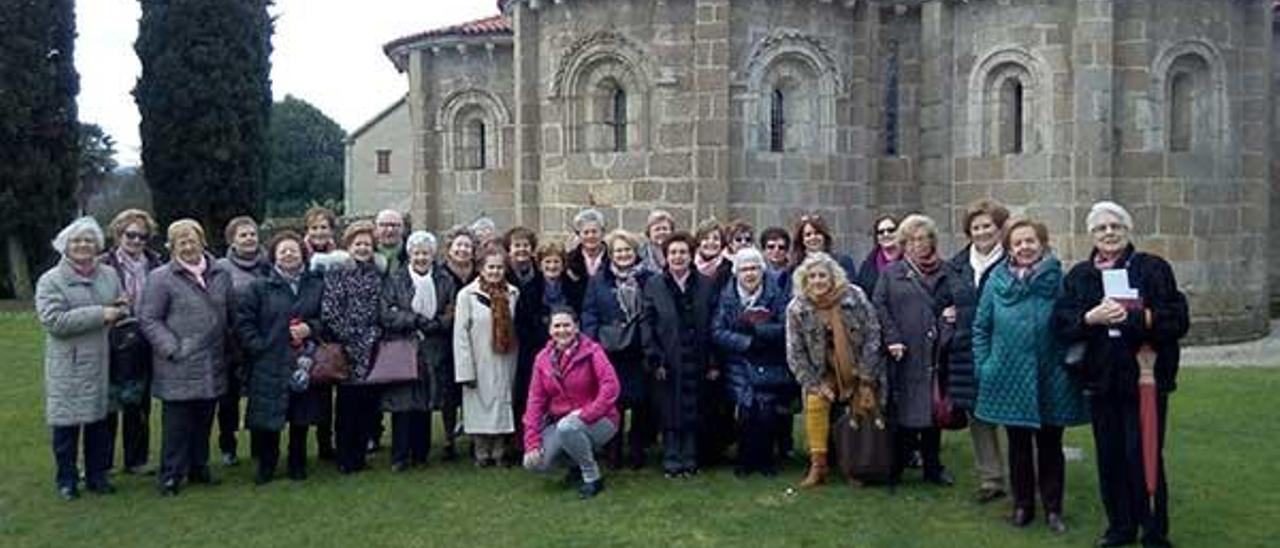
column 492, row 25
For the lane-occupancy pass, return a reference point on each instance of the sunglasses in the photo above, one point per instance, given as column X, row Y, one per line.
column 782, row 247
column 135, row 235
column 885, row 231
column 742, row 240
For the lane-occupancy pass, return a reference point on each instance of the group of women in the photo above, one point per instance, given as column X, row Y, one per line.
column 699, row 340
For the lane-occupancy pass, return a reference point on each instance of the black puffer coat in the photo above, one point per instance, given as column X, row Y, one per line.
column 263, row 313
column 961, row 383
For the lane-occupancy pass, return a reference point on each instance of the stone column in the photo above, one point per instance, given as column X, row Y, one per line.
column 528, row 119
column 936, row 82
column 426, row 174
column 711, row 79
column 1092, row 143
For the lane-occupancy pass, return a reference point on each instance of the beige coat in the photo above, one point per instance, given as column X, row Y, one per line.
column 76, row 355
column 486, row 407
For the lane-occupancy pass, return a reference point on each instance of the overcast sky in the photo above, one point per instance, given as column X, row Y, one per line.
column 328, row 52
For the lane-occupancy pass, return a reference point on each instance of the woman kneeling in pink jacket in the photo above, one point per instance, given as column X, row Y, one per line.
column 571, row 411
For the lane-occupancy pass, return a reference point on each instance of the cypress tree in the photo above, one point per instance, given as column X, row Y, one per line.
column 205, row 100
column 39, row 132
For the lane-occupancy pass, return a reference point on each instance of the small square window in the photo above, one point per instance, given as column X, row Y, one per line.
column 384, row 162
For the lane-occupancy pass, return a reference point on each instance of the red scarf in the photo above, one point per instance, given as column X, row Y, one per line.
column 928, row 264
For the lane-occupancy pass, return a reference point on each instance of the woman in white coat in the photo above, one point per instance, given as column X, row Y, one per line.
column 484, row 354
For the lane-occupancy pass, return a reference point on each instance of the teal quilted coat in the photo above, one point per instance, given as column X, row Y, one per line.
column 1021, row 378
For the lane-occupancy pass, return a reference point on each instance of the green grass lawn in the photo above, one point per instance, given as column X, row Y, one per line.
column 1222, row 456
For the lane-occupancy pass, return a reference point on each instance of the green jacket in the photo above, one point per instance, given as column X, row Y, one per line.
column 1020, row 374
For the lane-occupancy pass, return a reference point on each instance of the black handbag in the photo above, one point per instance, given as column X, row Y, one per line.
column 762, row 376
column 129, row 351
column 617, row 337
column 864, row 442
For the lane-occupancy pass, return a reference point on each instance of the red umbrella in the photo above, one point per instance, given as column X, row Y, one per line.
column 1148, row 418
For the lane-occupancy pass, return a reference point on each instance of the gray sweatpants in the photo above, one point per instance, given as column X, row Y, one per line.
column 571, row 442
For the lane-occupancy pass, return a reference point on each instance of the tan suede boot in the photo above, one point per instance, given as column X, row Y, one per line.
column 817, row 471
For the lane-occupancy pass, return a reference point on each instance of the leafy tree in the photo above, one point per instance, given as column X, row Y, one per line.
column 38, row 132
column 205, row 100
column 306, row 158
column 97, row 161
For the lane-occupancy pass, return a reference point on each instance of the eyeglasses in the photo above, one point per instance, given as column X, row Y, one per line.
column 390, row 225
column 776, row 247
column 1108, row 227
column 135, row 235
column 742, row 240
column 886, row 231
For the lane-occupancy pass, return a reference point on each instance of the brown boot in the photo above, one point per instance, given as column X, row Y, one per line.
column 817, row 471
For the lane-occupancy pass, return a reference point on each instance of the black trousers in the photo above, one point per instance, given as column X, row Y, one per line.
column 927, row 440
column 265, row 444
column 1035, row 458
column 184, row 439
column 1117, row 437
column 410, row 436
column 67, row 441
column 324, row 428
column 639, row 435
column 785, row 430
column 680, row 450
column 229, row 415
column 757, row 437
column 357, row 413
column 134, row 424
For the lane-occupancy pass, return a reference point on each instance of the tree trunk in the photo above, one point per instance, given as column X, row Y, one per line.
column 19, row 275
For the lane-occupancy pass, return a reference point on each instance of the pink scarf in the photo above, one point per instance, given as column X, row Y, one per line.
column 196, row 270
column 708, row 267
column 134, row 272
column 884, row 259
column 1103, row 263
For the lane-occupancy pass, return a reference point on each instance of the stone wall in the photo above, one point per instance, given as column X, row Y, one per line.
column 366, row 190
column 1201, row 203
column 453, row 86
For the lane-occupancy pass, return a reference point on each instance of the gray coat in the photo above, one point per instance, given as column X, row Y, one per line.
column 187, row 326
column 70, row 307
column 909, row 314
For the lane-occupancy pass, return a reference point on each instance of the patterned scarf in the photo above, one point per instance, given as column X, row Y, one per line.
column 707, row 267
column 628, row 289
column 504, row 334
column 928, row 264
column 134, row 272
column 424, row 293
column 832, row 315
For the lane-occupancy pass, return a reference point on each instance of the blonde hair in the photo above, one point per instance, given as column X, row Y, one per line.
column 800, row 280
column 185, row 227
column 913, row 223
column 356, row 229
column 620, row 234
column 128, row 217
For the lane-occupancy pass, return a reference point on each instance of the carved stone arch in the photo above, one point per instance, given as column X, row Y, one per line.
column 1210, row 106
column 589, row 76
column 987, row 109
column 805, row 72
column 463, row 108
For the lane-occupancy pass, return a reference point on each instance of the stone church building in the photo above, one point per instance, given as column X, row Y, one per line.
column 768, row 109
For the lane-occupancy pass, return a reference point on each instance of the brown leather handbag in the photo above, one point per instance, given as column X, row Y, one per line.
column 330, row 365
column 864, row 439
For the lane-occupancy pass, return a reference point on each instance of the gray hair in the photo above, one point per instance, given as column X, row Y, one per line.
column 913, row 223
column 745, row 256
column 421, row 238
column 1107, row 207
column 76, row 228
column 588, row 215
column 483, row 223
column 389, row 213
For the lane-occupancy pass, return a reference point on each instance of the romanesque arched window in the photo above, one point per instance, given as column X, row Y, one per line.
column 1189, row 107
column 618, row 119
column 777, row 121
column 471, row 139
column 1011, row 117
column 891, row 101
column 470, row 124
